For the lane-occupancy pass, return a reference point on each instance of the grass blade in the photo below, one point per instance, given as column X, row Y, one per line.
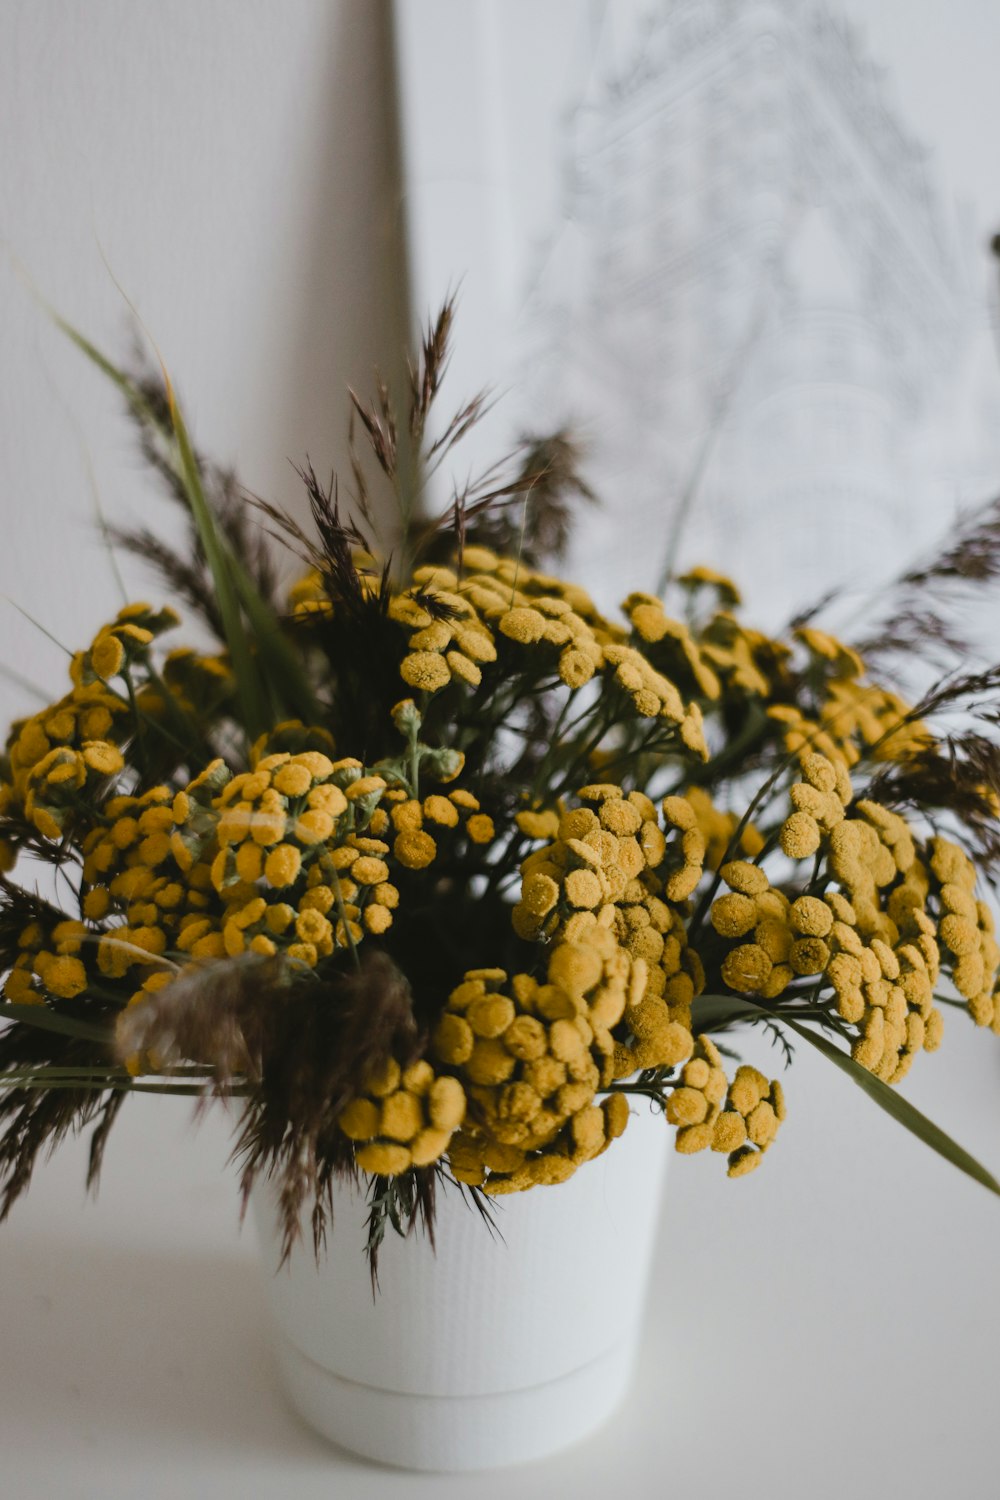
column 282, row 665
column 709, row 1011
column 895, row 1105
column 275, row 675
column 254, row 711
column 45, row 1019
column 253, row 699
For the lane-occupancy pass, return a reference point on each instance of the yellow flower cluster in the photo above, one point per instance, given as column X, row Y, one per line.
column 819, row 800
column 599, row 852
column 740, row 1118
column 449, row 643
column 140, row 863
column 294, row 859
column 418, row 825
column 656, row 1027
column 531, row 1057
column 744, row 660
column 753, row 910
column 570, row 885
column 881, row 977
column 611, row 868
column 272, row 860
column 455, row 622
column 126, row 640
column 677, row 653
column 60, row 759
column 403, row 1118
column 966, row 931
column 885, row 919
column 277, row 817
column 885, row 955
column 855, row 717
column 346, row 894
column 654, row 696
column 726, row 657
column 67, row 779
column 52, row 956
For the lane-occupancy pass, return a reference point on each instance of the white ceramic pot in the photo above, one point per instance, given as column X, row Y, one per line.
column 490, row 1351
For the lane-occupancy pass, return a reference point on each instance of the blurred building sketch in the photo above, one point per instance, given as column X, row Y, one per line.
column 753, row 298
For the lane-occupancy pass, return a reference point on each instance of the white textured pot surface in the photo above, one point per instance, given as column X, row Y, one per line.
column 490, row 1350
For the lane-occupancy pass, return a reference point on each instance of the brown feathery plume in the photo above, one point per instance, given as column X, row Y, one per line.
column 425, row 376
column 959, row 774
column 38, row 1120
column 296, row 1049
column 532, row 518
column 334, row 551
column 356, row 638
column 403, row 1202
column 427, row 372
column 957, row 771
column 35, row 1120
column 918, row 608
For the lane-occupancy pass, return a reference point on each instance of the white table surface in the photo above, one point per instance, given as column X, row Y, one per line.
column 827, row 1327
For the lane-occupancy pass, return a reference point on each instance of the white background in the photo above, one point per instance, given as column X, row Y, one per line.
column 827, row 1326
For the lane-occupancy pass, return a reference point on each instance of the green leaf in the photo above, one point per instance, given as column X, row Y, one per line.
column 895, row 1105
column 128, row 387
column 53, row 1020
column 283, row 667
column 282, row 679
column 128, row 1086
column 253, row 699
column 716, row 1012
column 108, row 1074
column 711, row 1011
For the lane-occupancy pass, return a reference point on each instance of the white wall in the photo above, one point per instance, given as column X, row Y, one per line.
column 235, row 163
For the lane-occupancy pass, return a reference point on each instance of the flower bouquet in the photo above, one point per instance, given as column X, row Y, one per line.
column 452, row 880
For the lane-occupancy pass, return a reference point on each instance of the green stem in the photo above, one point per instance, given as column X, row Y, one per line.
column 342, row 914
column 643, row 1091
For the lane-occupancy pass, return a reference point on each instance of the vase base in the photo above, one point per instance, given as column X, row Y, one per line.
column 456, row 1433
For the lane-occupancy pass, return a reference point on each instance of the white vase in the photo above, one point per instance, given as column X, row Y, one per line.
column 489, row 1351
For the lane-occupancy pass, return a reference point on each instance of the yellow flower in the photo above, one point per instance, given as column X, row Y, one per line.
column 416, row 849
column 800, row 835
column 733, row 915
column 524, row 625
column 63, row 977
column 425, row 670
column 480, row 828
column 107, row 655
column 293, row 779
column 384, row 1158
column 282, row 865
column 96, row 903
column 314, row 826
column 811, row 916
column 746, row 968
column 440, row 810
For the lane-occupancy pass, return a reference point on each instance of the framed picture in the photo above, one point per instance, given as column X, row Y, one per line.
column 720, row 243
